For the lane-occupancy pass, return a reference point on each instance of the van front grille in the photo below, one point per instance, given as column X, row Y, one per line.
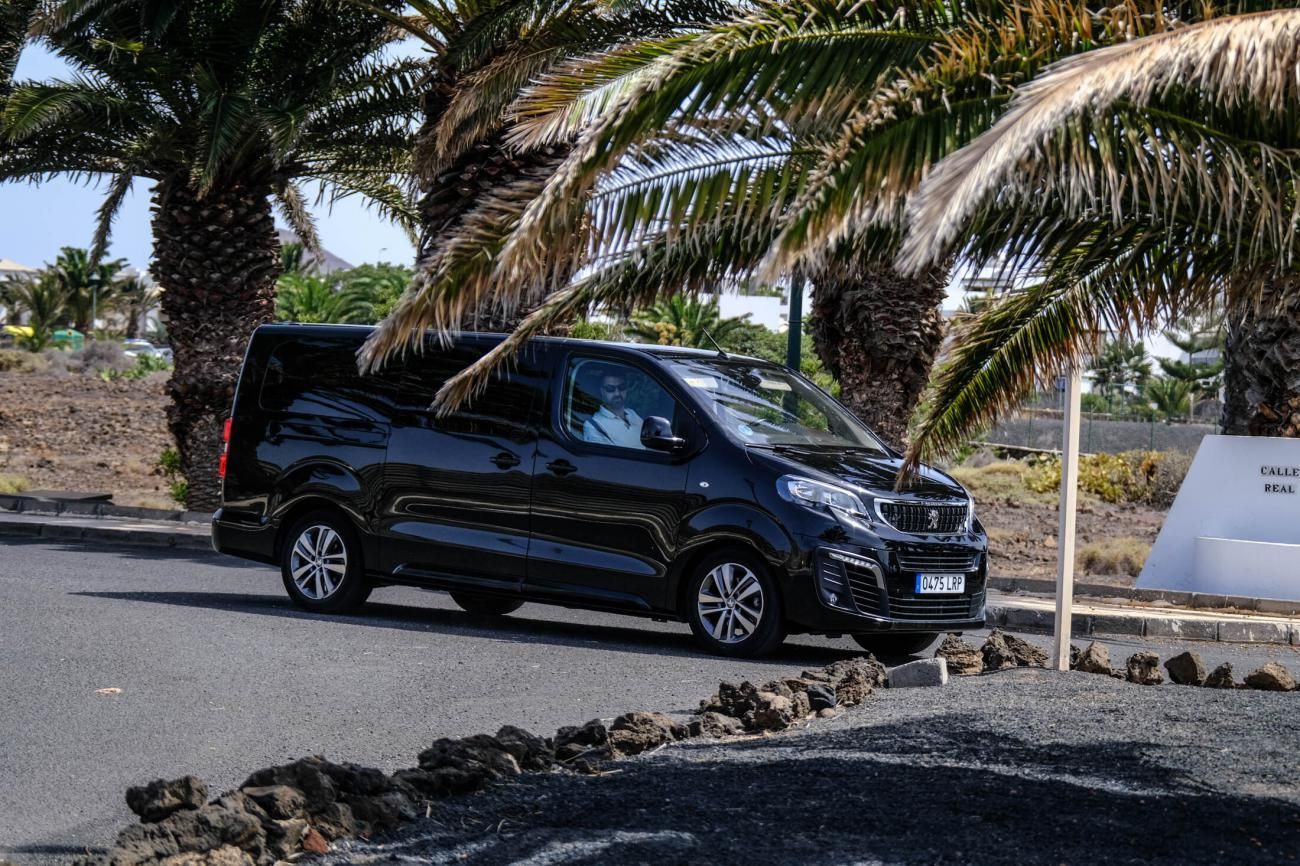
column 922, row 518
column 935, row 609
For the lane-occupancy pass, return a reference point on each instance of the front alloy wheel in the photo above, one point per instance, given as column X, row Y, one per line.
column 321, row 565
column 733, row 607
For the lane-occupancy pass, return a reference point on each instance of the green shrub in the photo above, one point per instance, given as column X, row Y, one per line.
column 12, row 484
column 145, row 365
column 1147, row 477
column 169, row 461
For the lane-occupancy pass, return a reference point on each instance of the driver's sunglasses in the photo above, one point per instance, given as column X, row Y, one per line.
column 612, row 389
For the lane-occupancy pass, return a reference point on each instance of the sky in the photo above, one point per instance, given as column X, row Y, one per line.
column 36, row 221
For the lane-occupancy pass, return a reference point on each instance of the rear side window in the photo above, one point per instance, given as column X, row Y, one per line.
column 504, row 408
column 318, row 377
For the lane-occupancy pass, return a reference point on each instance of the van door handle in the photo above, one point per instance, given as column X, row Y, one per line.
column 505, row 460
column 561, row 467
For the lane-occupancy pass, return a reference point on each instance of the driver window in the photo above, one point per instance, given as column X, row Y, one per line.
column 606, row 402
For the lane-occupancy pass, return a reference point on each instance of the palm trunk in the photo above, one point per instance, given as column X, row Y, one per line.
column 449, row 197
column 878, row 333
column 1261, row 376
column 216, row 259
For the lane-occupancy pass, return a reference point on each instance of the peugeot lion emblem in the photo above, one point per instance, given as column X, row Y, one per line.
column 934, row 518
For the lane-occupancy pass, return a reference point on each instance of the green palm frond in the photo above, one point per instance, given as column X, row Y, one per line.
column 1246, row 61
column 1124, row 280
column 777, row 55
column 117, row 192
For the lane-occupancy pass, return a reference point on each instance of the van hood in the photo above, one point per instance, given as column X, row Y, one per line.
column 870, row 471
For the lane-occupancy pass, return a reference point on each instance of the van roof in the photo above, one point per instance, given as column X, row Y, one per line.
column 642, row 348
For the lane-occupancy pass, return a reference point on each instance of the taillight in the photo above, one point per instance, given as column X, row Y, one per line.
column 225, row 449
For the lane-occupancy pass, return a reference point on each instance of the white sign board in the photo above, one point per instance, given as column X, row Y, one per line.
column 1234, row 528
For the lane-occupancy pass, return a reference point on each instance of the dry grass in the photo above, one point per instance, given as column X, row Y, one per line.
column 1123, row 555
column 1001, row 481
column 12, row 484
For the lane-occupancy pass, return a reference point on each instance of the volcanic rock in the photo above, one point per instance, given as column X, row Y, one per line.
column 1272, row 677
column 1221, row 678
column 160, row 798
column 634, row 733
column 1186, row 669
column 715, row 725
column 963, row 658
column 1095, row 659
column 1002, row 651
column 1143, row 668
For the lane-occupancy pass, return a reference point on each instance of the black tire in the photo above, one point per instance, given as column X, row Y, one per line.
column 485, row 605
column 896, row 644
column 737, row 640
column 349, row 590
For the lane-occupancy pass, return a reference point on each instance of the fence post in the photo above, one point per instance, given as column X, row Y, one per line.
column 1065, row 534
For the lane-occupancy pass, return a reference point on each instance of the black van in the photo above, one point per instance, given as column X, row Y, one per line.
column 651, row 480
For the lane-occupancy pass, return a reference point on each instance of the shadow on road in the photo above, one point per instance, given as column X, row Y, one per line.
column 513, row 628
column 944, row 792
column 137, row 552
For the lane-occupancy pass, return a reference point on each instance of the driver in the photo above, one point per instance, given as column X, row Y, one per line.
column 614, row 423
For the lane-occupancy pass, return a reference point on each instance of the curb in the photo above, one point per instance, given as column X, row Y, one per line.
column 1121, row 623
column 20, row 504
column 109, row 533
column 1180, row 598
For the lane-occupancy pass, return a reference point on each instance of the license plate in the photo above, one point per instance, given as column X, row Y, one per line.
column 940, row 584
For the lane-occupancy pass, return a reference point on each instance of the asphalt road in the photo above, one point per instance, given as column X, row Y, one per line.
column 219, row 675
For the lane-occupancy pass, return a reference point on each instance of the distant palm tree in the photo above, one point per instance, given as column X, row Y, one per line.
column 42, row 299
column 227, row 108
column 88, row 286
column 315, row 300
column 681, row 321
column 1170, row 397
column 1146, row 180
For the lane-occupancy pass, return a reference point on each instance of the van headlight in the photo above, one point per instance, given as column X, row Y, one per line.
column 818, row 494
column 970, row 512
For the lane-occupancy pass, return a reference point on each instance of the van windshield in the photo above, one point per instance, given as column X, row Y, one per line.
column 763, row 404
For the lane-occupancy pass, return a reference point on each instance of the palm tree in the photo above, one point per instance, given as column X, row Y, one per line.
column 42, row 298
column 1146, row 179
column 135, row 298
column 681, row 321
column 301, row 298
column 227, row 108
column 1170, row 397
column 87, row 285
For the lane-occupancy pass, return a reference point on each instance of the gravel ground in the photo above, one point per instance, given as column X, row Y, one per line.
column 1020, row 767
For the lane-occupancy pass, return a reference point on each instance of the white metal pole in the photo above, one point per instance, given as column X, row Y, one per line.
column 1065, row 535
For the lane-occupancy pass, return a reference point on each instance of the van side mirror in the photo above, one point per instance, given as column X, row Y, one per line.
column 657, row 435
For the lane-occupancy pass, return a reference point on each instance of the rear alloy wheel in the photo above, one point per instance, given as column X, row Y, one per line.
column 896, row 644
column 321, row 565
column 485, row 605
column 733, row 606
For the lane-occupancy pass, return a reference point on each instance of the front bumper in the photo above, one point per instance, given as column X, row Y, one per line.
column 863, row 590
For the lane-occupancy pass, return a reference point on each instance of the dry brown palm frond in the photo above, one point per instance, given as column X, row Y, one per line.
column 1240, row 60
column 456, row 278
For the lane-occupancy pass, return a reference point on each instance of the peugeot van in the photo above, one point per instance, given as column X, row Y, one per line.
column 663, row 482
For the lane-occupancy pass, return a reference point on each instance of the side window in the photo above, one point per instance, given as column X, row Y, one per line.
column 606, row 402
column 503, row 408
column 313, row 377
